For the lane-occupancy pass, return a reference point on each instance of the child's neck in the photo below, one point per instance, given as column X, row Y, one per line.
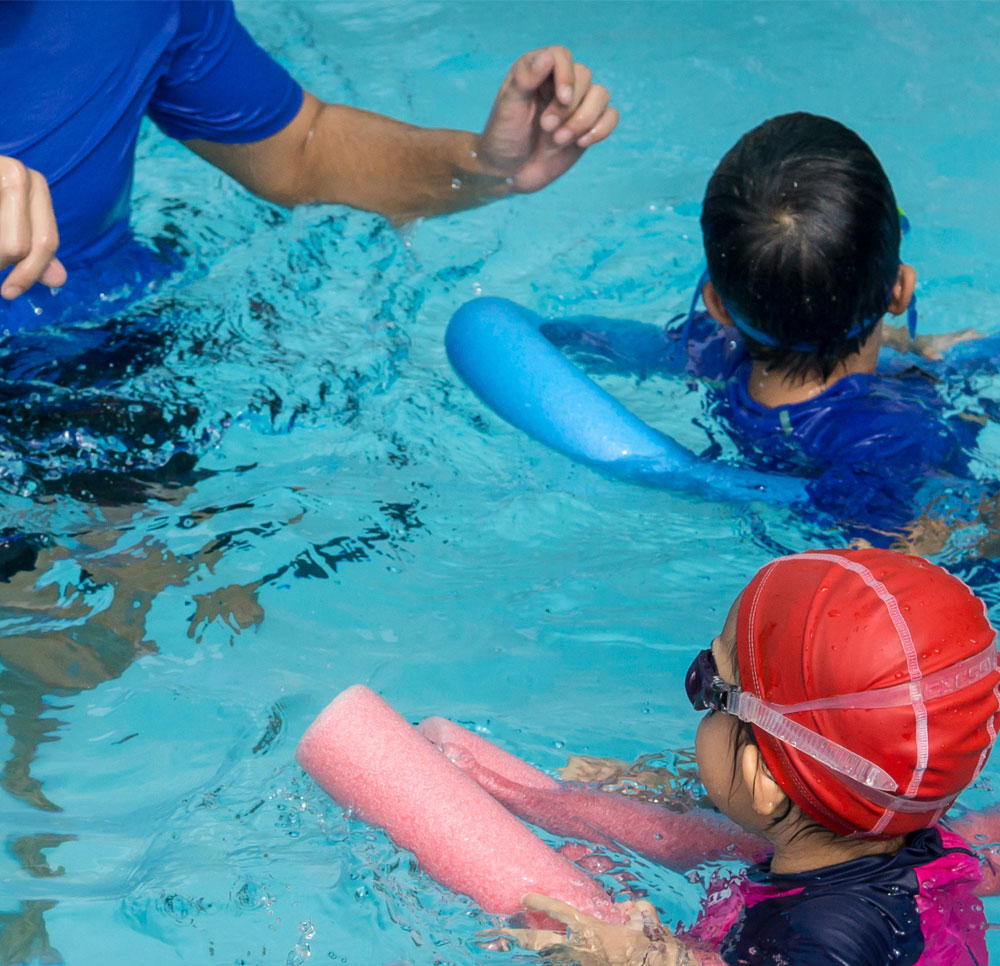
column 806, row 853
column 772, row 386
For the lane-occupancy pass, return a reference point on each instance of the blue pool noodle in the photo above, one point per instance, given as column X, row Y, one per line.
column 499, row 350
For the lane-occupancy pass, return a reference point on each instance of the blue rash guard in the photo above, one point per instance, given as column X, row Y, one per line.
column 868, row 444
column 77, row 80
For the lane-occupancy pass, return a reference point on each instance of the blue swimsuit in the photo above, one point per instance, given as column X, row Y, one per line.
column 77, row 80
column 867, row 445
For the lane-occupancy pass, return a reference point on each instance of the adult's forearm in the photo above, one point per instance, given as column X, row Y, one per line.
column 547, row 113
column 331, row 153
column 372, row 162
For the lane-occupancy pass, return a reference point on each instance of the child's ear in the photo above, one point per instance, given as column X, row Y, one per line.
column 766, row 795
column 714, row 305
column 902, row 291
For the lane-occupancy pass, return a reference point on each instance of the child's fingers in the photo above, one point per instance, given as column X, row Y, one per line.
column 54, row 274
column 934, row 346
column 493, row 940
column 644, row 917
column 15, row 218
column 645, row 911
column 559, row 910
column 29, row 237
column 535, row 939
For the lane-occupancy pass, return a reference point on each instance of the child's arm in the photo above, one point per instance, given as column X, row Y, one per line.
column 621, row 346
column 677, row 840
column 642, row 941
column 699, row 347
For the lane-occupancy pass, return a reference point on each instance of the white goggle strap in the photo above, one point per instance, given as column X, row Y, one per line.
column 929, row 688
column 747, row 707
column 875, row 781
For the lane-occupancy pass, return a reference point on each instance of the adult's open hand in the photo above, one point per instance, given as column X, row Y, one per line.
column 547, row 113
column 29, row 237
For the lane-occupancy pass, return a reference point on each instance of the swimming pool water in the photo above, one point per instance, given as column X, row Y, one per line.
column 342, row 510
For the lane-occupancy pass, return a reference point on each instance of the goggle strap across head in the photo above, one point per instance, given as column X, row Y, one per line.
column 747, row 707
column 939, row 684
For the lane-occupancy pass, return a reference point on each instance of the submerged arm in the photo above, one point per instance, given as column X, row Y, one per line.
column 699, row 346
column 642, row 941
column 931, row 347
column 621, row 346
column 677, row 840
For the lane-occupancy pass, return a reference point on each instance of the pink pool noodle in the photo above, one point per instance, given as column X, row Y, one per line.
column 677, row 840
column 368, row 758
column 455, row 741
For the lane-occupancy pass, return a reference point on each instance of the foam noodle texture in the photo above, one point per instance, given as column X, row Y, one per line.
column 502, row 353
column 368, row 758
column 573, row 810
column 454, row 741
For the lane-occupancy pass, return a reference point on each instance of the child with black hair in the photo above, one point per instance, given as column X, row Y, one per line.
column 802, row 238
column 802, row 235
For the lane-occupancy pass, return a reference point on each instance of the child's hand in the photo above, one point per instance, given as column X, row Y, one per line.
column 935, row 346
column 591, row 768
column 642, row 941
column 638, row 779
column 929, row 346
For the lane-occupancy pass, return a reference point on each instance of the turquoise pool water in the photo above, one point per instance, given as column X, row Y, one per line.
column 350, row 513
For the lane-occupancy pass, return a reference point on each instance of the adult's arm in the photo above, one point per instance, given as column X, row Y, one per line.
column 547, row 112
column 28, row 233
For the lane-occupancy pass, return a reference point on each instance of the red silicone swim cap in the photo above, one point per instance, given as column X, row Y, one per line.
column 836, row 622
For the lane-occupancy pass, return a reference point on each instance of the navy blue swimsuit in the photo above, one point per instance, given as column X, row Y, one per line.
column 916, row 906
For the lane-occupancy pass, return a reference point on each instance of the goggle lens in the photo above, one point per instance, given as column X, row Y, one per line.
column 699, row 680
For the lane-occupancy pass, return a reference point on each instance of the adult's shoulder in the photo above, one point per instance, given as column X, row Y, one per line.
column 219, row 84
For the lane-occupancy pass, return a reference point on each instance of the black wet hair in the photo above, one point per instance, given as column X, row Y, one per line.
column 802, row 236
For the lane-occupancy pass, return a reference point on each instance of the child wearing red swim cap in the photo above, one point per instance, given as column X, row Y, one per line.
column 851, row 696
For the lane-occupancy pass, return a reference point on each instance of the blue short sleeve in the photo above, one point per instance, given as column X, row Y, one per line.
column 219, row 84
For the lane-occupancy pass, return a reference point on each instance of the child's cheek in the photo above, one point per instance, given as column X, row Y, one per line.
column 715, row 752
